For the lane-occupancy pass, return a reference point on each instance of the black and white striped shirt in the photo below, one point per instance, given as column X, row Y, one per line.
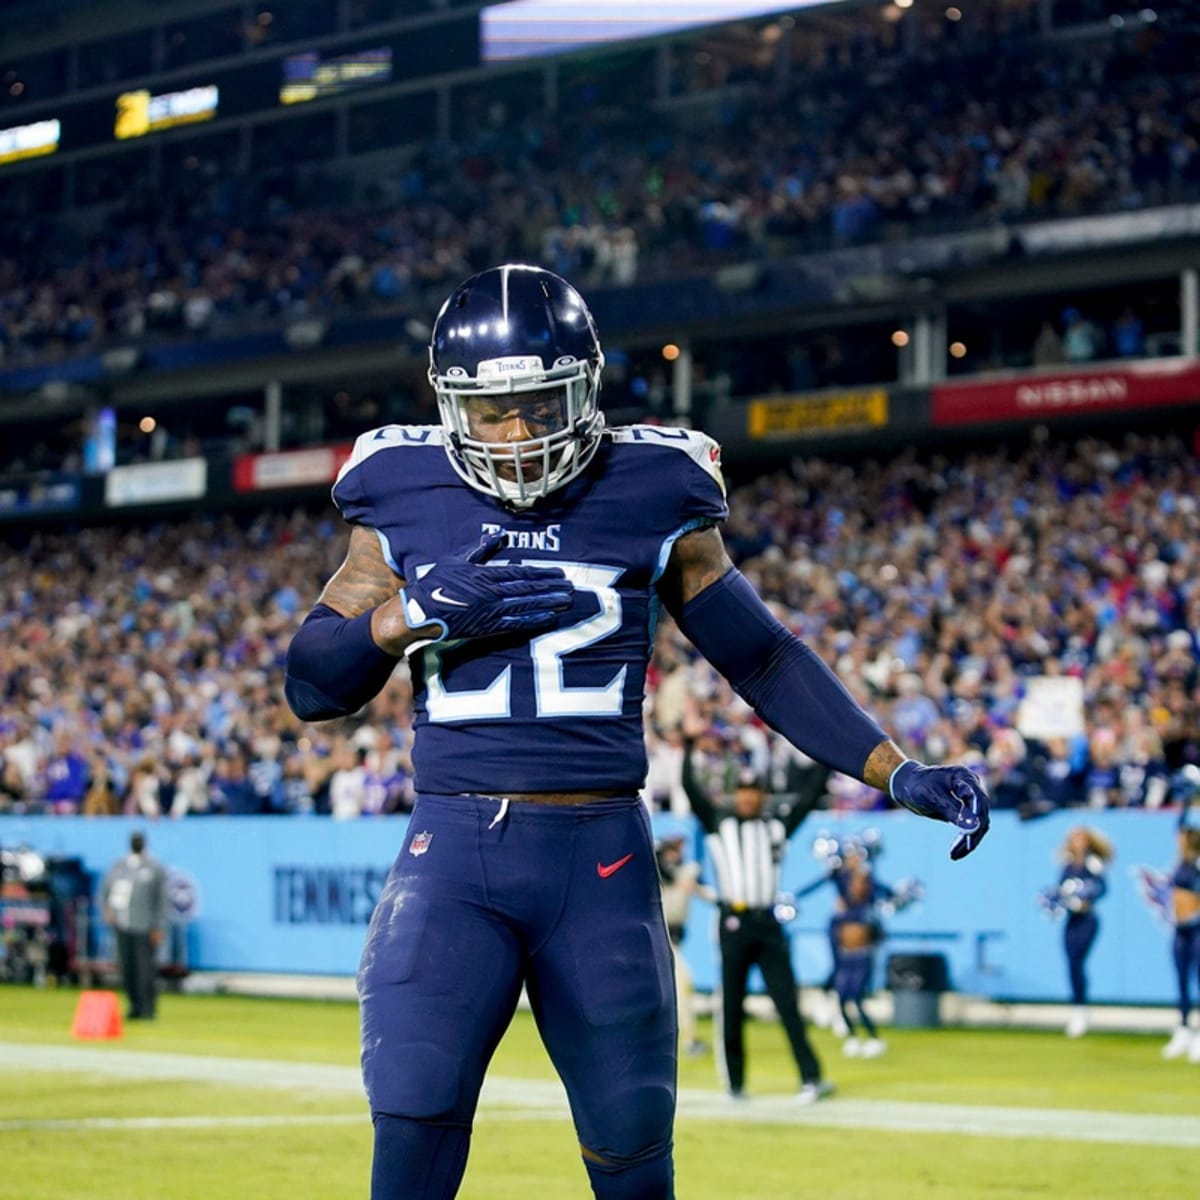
column 747, row 856
column 747, row 852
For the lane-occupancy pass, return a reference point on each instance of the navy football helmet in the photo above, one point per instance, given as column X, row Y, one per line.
column 515, row 363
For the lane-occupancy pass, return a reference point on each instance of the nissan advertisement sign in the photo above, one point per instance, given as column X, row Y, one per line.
column 1090, row 389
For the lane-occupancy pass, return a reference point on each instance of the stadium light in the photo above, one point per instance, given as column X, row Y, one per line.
column 528, row 28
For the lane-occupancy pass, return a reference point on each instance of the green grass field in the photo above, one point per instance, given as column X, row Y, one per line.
column 168, row 1112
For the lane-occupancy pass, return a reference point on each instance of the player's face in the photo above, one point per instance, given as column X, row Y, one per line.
column 510, row 420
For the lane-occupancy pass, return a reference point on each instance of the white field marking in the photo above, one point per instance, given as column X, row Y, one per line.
column 90, row 1124
column 530, row 1099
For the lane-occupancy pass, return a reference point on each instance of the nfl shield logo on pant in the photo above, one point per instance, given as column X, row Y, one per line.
column 420, row 843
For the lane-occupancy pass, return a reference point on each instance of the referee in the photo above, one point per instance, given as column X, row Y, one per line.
column 747, row 847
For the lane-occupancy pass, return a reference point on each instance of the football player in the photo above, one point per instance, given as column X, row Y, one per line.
column 517, row 554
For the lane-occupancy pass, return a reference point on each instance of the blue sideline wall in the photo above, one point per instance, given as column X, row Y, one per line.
column 294, row 895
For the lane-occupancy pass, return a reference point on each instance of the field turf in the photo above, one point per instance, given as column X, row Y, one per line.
column 223, row 1098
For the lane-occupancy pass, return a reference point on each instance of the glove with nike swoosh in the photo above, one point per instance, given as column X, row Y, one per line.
column 954, row 794
column 460, row 597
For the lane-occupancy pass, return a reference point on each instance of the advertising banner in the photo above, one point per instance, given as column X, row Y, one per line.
column 294, row 894
column 1042, row 397
column 156, row 483
column 289, row 468
column 813, row 413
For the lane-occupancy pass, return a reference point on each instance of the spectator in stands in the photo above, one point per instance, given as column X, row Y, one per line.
column 66, row 777
column 1048, row 347
column 1082, row 339
column 1129, row 335
column 348, row 785
column 232, row 792
column 100, row 799
column 191, row 796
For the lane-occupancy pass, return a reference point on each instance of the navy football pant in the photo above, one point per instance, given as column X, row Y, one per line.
column 1078, row 938
column 481, row 900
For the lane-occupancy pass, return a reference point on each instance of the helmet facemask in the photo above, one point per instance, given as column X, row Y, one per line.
column 558, row 406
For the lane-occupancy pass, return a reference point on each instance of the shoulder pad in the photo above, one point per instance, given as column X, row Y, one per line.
column 390, row 437
column 699, row 447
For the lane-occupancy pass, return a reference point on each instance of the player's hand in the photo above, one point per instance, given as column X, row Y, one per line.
column 461, row 597
column 953, row 794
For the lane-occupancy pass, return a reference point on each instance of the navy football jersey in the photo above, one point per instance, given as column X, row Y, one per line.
column 561, row 711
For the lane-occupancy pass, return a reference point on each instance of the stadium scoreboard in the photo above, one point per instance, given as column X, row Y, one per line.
column 309, row 77
column 139, row 113
column 262, row 86
column 29, row 141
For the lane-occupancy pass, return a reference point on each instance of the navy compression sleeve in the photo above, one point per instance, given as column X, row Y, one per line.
column 781, row 678
column 333, row 665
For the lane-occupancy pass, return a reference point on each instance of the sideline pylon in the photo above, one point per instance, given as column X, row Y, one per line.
column 97, row 1015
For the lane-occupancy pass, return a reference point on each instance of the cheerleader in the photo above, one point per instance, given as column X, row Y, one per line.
column 856, row 932
column 1177, row 897
column 1085, row 855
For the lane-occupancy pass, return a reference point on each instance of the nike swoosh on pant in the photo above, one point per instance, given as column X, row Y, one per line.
column 612, row 868
column 441, row 597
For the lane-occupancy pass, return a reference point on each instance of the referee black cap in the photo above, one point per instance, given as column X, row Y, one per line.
column 748, row 777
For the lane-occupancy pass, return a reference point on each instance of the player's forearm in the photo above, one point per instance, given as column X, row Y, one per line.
column 786, row 682
column 335, row 665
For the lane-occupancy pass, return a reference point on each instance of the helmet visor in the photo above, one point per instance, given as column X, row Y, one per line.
column 516, row 416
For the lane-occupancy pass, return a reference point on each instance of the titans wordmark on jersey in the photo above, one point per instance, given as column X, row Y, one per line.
column 561, row 711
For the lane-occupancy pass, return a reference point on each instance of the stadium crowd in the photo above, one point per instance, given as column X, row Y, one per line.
column 141, row 666
column 876, row 141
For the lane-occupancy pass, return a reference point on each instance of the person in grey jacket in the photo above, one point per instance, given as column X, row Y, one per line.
column 133, row 900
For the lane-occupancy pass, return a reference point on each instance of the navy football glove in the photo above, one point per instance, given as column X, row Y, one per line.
column 953, row 794
column 460, row 597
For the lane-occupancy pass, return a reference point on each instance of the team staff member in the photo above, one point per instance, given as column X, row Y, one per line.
column 133, row 900
column 680, row 881
column 747, row 847
column 517, row 554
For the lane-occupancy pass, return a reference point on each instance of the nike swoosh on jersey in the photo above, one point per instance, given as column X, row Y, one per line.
column 441, row 597
column 612, row 868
